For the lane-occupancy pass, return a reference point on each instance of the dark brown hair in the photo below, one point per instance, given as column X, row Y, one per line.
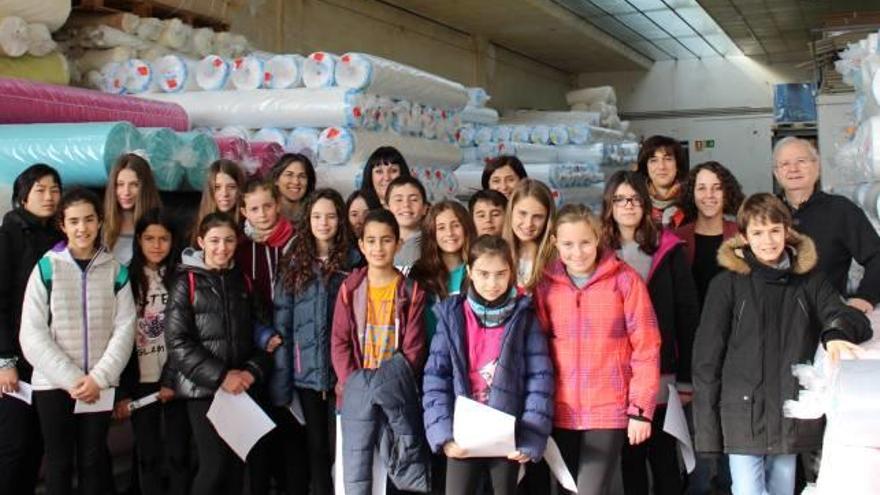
column 667, row 144
column 430, row 270
column 492, row 245
column 647, row 233
column 730, row 187
column 763, row 207
column 501, row 162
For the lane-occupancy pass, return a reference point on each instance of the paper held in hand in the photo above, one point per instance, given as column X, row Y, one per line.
column 239, row 421
column 483, row 431
column 103, row 404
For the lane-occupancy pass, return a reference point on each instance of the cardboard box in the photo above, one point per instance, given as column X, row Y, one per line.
column 218, row 9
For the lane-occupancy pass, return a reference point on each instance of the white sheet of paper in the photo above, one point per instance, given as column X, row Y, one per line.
column 296, row 408
column 103, row 404
column 380, row 473
column 676, row 425
column 143, row 401
column 24, row 394
column 557, row 466
column 481, row 430
column 239, row 421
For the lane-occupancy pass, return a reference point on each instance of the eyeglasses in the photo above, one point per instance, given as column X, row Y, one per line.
column 624, row 200
column 796, row 163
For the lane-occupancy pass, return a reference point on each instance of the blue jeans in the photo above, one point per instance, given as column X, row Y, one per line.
column 763, row 474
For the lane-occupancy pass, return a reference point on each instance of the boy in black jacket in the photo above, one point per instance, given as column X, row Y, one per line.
column 768, row 310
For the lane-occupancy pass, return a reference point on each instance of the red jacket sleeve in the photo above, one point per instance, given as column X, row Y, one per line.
column 341, row 346
column 413, row 344
column 644, row 338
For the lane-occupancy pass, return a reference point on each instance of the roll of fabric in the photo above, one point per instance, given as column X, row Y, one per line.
column 590, row 196
column 212, row 73
column 344, row 179
column 175, row 34
column 388, row 78
column 484, row 134
column 319, row 70
column 123, row 21
column 52, row 69
column 578, row 134
column 470, row 154
column 470, row 179
column 97, row 59
column 285, row 108
column 13, row 36
column 603, row 94
column 201, row 43
column 272, row 135
column 150, row 28
column 559, row 135
column 82, row 153
column 52, row 13
column 304, row 140
column 477, row 97
column 339, row 145
column 31, row 102
column 265, row 154
column 535, row 117
column 40, row 42
column 162, row 148
column 465, row 135
column 593, row 153
column 234, row 131
column 247, row 73
column 521, row 134
column 485, row 116
column 197, row 154
column 175, row 74
column 440, row 184
column 138, row 77
column 232, row 148
column 503, row 133
column 534, row 153
column 109, row 37
column 283, row 72
column 540, row 134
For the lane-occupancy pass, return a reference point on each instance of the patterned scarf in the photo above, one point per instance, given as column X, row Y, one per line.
column 494, row 313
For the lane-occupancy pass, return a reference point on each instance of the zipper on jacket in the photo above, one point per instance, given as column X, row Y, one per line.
column 230, row 339
column 85, row 311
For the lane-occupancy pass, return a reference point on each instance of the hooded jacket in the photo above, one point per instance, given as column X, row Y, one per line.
column 349, row 322
column 757, row 322
column 522, row 385
column 605, row 345
column 210, row 323
column 83, row 325
column 24, row 239
column 259, row 260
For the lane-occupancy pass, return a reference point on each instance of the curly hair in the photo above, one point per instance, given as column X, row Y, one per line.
column 730, row 187
column 430, row 270
column 300, row 262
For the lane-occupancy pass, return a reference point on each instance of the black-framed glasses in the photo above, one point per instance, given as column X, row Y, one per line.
column 624, row 200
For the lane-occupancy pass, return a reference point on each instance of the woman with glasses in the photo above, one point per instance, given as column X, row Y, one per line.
column 659, row 258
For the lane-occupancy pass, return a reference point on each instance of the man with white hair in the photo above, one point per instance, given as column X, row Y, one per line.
column 839, row 228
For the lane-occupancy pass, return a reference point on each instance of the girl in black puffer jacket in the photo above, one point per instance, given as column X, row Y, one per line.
column 210, row 337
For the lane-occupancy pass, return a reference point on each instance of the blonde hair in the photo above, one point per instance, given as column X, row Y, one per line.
column 574, row 213
column 208, row 204
column 147, row 199
column 531, row 188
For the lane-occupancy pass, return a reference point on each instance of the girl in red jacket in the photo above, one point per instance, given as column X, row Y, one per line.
column 605, row 347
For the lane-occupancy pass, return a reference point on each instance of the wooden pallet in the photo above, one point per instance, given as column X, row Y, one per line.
column 147, row 8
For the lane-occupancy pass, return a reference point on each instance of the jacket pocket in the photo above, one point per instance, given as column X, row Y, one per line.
column 737, row 420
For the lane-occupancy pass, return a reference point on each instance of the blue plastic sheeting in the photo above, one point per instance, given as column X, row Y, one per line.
column 200, row 151
column 163, row 147
column 82, row 153
column 794, row 102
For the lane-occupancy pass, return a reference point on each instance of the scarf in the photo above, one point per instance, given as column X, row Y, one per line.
column 665, row 208
column 492, row 313
column 278, row 237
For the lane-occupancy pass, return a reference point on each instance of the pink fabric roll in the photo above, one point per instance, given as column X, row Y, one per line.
column 266, row 154
column 29, row 102
column 232, row 148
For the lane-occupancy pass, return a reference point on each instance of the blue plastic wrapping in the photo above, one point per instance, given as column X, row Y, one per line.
column 794, row 102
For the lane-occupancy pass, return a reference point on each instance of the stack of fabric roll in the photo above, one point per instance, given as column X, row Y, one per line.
column 601, row 100
column 27, row 50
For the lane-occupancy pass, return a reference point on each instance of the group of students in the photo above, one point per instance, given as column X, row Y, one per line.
column 382, row 309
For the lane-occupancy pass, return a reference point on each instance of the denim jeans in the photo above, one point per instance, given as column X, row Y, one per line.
column 763, row 474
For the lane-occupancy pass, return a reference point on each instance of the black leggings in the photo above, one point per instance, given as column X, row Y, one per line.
column 220, row 470
column 660, row 452
column 462, row 475
column 591, row 456
column 157, row 448
column 21, row 447
column 67, row 435
column 316, row 409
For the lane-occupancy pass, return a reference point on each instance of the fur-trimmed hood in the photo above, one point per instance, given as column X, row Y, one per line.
column 801, row 249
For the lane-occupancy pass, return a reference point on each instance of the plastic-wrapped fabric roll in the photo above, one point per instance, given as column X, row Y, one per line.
column 303, row 140
column 52, row 69
column 212, row 73
column 579, row 134
column 40, row 42
column 604, row 94
column 535, row 117
column 339, row 145
column 174, row 74
column 319, row 70
column 344, row 179
column 82, row 153
column 138, row 77
column 521, row 134
column 603, row 135
column 232, row 148
column 175, row 34
column 439, row 184
column 503, row 133
column 162, row 146
column 465, row 135
column 535, row 153
column 484, row 134
column 195, row 156
column 867, row 141
column 272, row 135
column 97, row 59
column 235, row 131
column 559, row 135
column 247, row 73
column 31, row 102
column 490, row 150
column 267, row 154
column 150, row 28
column 52, row 13
column 477, row 97
column 485, row 116
column 385, row 77
column 592, row 153
column 285, row 108
column 470, row 154
column 540, row 135
column 201, row 42
column 470, row 178
column 590, row 196
column 283, row 72
column 13, row 37
column 108, row 37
